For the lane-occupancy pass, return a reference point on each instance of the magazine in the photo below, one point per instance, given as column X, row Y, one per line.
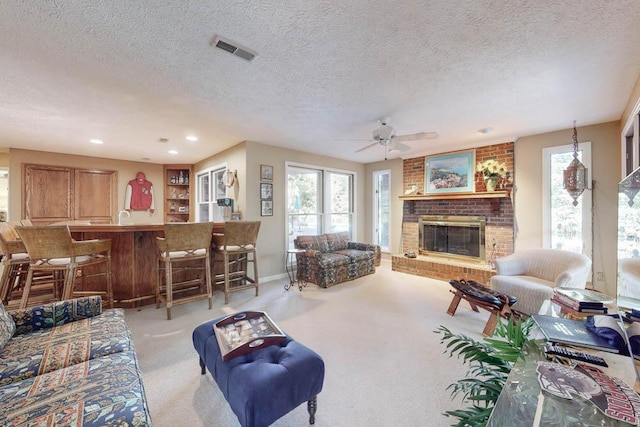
column 612, row 396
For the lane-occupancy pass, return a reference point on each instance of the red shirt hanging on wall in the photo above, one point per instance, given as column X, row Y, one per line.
column 139, row 194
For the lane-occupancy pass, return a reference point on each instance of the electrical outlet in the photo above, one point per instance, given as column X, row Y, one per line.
column 600, row 276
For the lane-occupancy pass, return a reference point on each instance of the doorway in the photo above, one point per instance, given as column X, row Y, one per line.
column 4, row 194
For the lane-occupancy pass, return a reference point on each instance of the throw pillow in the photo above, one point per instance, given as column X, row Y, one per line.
column 338, row 241
column 318, row 243
column 7, row 326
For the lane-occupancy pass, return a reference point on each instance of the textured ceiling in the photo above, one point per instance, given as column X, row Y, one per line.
column 133, row 72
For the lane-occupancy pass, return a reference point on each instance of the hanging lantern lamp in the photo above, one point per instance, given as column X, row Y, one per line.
column 575, row 175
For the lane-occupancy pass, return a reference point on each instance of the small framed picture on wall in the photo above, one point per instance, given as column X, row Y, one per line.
column 266, row 207
column 266, row 190
column 266, row 173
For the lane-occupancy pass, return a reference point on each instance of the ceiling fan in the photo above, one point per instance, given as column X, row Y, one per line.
column 386, row 136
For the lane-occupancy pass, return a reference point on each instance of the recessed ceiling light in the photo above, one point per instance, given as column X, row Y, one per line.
column 192, row 138
column 96, row 141
column 173, row 151
column 485, row 131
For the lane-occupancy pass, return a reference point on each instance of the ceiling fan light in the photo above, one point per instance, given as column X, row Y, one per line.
column 385, row 136
column 385, row 132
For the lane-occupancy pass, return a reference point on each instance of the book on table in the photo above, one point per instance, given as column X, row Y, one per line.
column 598, row 332
column 591, row 308
column 577, row 298
column 633, row 315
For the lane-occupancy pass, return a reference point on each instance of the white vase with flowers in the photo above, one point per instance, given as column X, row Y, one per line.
column 492, row 170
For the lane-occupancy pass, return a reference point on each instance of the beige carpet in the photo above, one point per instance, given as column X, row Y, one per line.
column 384, row 364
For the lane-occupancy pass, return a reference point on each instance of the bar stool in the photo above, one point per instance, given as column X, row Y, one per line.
column 52, row 250
column 182, row 244
column 15, row 262
column 237, row 248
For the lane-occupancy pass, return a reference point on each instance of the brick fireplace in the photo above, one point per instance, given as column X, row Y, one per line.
column 495, row 208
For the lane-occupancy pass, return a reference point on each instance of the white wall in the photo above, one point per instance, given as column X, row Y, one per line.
column 246, row 158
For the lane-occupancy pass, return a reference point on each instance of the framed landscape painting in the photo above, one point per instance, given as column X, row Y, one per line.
column 450, row 173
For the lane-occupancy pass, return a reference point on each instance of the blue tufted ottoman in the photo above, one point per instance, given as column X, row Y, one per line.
column 265, row 384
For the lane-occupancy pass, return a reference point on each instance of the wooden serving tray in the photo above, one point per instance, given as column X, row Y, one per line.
column 244, row 332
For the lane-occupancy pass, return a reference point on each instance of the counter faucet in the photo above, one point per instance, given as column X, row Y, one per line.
column 120, row 216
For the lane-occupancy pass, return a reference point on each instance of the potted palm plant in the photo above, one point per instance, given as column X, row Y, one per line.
column 489, row 363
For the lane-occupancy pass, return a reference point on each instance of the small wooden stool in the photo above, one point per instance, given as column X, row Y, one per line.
column 478, row 295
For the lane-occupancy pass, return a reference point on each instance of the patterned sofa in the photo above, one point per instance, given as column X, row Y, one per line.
column 69, row 363
column 331, row 258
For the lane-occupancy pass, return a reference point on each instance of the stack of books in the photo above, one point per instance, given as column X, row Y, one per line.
column 582, row 300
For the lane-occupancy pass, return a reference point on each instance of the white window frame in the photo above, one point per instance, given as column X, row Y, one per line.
column 631, row 130
column 585, row 197
column 325, row 222
column 376, row 212
column 214, row 214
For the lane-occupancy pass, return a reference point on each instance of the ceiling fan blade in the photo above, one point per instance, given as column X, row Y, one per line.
column 368, row 146
column 394, row 145
column 417, row 136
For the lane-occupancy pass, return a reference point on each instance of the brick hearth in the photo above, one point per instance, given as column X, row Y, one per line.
column 442, row 268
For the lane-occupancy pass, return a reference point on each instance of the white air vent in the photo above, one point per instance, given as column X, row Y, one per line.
column 234, row 48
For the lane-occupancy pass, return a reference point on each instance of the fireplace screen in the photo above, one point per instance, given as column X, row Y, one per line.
column 455, row 236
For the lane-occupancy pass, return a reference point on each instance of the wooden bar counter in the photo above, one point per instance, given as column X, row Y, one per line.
column 133, row 258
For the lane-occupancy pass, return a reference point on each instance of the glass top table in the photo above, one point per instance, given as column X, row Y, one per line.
column 523, row 403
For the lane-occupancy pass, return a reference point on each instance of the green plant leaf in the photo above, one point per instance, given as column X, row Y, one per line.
column 490, row 362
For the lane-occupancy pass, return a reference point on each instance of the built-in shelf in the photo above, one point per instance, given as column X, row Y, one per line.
column 466, row 195
column 177, row 186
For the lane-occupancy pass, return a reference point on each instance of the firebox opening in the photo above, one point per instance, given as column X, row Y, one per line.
column 453, row 236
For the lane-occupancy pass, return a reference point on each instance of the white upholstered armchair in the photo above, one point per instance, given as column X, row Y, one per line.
column 530, row 275
column 629, row 275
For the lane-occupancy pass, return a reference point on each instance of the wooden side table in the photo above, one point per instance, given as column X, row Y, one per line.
column 290, row 265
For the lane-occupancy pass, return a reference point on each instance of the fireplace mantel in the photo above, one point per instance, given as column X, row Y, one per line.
column 465, row 195
column 494, row 197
